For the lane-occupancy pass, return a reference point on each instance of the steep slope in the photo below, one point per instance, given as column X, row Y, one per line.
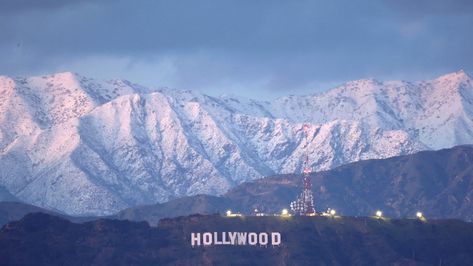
column 30, row 104
column 83, row 146
column 41, row 239
column 438, row 183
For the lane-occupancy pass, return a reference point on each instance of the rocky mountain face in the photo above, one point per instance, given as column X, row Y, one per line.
column 84, row 146
column 41, row 239
column 438, row 183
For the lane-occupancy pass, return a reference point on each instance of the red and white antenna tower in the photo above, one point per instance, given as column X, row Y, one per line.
column 304, row 204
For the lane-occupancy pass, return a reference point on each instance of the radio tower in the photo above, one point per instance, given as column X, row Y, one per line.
column 304, row 204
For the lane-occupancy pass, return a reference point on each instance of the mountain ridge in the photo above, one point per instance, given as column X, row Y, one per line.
column 83, row 146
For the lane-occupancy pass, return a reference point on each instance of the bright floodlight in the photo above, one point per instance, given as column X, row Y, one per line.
column 229, row 213
column 419, row 215
column 284, row 212
column 379, row 213
column 333, row 212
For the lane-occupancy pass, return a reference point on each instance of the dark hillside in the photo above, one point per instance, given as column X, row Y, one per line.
column 41, row 239
column 438, row 183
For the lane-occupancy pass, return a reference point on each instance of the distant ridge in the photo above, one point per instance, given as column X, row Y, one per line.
column 89, row 147
column 13, row 211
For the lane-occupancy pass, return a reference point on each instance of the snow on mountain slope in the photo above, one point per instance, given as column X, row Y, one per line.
column 30, row 104
column 439, row 112
column 90, row 147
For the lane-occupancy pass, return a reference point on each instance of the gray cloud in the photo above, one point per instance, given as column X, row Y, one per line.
column 275, row 46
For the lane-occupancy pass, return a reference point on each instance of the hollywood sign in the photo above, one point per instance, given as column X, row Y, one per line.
column 235, row 238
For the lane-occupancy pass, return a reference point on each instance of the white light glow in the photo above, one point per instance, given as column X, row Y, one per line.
column 284, row 212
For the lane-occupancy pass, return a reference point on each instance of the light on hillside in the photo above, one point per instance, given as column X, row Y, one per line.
column 379, row 214
column 284, row 212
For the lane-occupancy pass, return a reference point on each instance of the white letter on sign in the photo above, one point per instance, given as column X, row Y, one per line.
column 216, row 242
column 207, row 239
column 241, row 238
column 252, row 239
column 232, row 237
column 263, row 239
column 275, row 239
column 224, row 239
column 195, row 239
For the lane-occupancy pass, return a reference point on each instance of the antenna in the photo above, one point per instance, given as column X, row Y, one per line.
column 304, row 204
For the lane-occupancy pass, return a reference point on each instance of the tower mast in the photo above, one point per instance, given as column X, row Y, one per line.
column 304, row 204
column 308, row 196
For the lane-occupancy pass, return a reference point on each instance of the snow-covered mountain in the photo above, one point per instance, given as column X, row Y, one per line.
column 84, row 146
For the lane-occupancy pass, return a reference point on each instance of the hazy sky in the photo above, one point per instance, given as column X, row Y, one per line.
column 247, row 47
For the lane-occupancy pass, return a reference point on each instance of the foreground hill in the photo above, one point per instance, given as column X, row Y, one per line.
column 84, row 146
column 438, row 183
column 41, row 239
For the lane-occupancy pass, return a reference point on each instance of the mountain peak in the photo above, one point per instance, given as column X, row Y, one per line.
column 458, row 76
column 66, row 78
column 68, row 75
column 365, row 82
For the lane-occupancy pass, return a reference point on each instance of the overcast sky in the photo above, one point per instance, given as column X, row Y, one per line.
column 253, row 48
